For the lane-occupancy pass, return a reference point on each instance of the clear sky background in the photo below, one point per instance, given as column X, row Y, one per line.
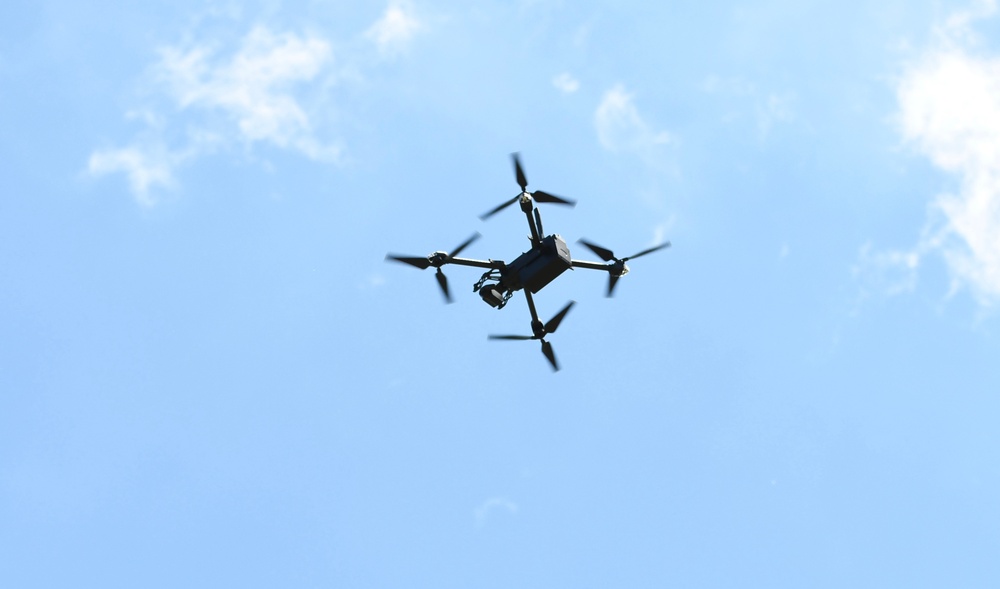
column 210, row 377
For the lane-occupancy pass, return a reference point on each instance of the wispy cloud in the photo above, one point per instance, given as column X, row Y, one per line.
column 566, row 83
column 949, row 110
column 371, row 281
column 254, row 87
column 492, row 504
column 145, row 168
column 769, row 108
column 662, row 229
column 269, row 88
column 394, row 30
column 887, row 272
column 620, row 128
column 774, row 108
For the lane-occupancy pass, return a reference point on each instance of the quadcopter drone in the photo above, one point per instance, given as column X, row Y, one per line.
column 531, row 271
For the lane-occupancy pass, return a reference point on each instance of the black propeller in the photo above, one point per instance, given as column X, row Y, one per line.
column 540, row 331
column 522, row 181
column 437, row 259
column 618, row 268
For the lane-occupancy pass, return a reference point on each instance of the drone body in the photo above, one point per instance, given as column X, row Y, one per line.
column 534, row 269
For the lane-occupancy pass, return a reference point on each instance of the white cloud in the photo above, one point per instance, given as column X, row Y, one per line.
column 494, row 504
column 146, row 169
column 890, row 272
column 254, row 87
column 392, row 33
column 958, row 24
column 620, row 128
column 566, row 83
column 949, row 110
column 269, row 89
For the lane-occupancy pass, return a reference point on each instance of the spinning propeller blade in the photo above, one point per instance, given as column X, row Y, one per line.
column 422, row 263
column 465, row 244
column 437, row 259
column 547, row 350
column 649, row 251
column 603, row 253
column 553, row 323
column 496, row 210
column 441, row 278
column 550, row 327
column 522, row 181
column 540, row 196
column 617, row 268
column 607, row 255
column 612, row 281
column 443, row 282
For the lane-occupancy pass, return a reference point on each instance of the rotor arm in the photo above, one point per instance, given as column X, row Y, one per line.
column 535, row 237
column 592, row 265
column 615, row 270
column 493, row 264
column 531, row 308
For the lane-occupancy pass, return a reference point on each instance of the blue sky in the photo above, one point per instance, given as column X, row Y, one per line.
column 212, row 378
